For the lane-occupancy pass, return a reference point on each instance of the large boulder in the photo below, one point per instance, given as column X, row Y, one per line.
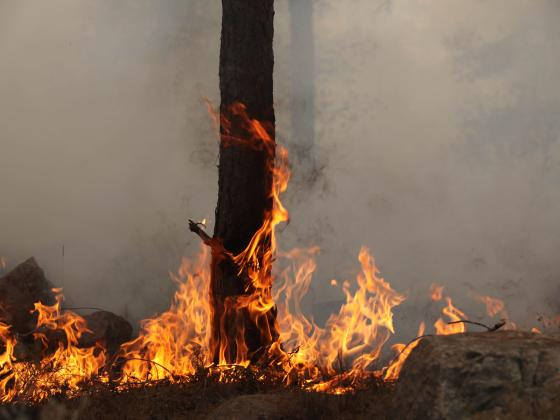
column 25, row 285
column 256, row 407
column 19, row 290
column 501, row 374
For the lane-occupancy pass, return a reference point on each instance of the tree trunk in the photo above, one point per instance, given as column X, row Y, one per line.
column 245, row 174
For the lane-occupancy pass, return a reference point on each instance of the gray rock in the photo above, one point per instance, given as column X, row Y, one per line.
column 256, row 407
column 502, row 374
column 108, row 328
column 25, row 285
column 19, row 290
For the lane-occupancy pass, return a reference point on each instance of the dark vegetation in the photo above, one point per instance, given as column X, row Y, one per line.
column 200, row 398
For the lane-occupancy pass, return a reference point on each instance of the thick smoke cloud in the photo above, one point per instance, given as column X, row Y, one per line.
column 437, row 145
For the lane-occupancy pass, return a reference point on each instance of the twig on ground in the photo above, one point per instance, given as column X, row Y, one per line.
column 489, row 329
column 148, row 361
column 394, row 359
column 92, row 308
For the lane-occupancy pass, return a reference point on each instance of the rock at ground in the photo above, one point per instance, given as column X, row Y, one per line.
column 19, row 290
column 108, row 328
column 496, row 375
column 25, row 285
column 256, row 407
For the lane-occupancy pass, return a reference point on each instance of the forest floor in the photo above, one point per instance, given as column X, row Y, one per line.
column 208, row 400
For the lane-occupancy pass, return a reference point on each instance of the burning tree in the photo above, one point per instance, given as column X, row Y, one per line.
column 221, row 334
column 244, row 316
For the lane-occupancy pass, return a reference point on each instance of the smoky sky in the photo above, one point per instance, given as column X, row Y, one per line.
column 436, row 144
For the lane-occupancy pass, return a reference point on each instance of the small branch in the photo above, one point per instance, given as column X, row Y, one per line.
column 215, row 244
column 394, row 359
column 125, row 359
column 92, row 308
column 196, row 228
column 489, row 329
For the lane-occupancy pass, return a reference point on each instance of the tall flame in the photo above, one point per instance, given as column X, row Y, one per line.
column 178, row 343
column 455, row 316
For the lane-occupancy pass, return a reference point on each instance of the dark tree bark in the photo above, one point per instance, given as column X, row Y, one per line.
column 245, row 171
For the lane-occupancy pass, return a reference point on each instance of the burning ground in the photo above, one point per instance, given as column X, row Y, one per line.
column 340, row 367
column 444, row 196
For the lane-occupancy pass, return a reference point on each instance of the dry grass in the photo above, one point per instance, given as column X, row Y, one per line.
column 198, row 396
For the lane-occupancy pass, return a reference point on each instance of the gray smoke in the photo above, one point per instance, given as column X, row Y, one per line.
column 437, row 145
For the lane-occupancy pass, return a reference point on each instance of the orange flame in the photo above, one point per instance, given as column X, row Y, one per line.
column 7, row 389
column 351, row 340
column 493, row 306
column 496, row 307
column 178, row 342
column 67, row 367
column 455, row 316
column 403, row 351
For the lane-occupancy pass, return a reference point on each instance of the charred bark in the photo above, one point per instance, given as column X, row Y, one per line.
column 245, row 172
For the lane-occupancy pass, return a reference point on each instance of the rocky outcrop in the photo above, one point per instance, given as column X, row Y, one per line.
column 502, row 374
column 19, row 290
column 256, row 407
column 25, row 285
column 107, row 328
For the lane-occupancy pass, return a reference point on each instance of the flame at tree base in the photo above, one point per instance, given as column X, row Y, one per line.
column 177, row 346
column 340, row 357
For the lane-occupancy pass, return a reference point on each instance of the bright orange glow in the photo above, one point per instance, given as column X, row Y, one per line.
column 178, row 343
column 7, row 359
column 402, row 351
column 454, row 315
column 65, row 367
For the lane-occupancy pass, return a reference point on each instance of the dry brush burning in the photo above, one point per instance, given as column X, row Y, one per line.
column 178, row 345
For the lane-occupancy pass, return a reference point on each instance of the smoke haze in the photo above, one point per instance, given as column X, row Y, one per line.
column 436, row 144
